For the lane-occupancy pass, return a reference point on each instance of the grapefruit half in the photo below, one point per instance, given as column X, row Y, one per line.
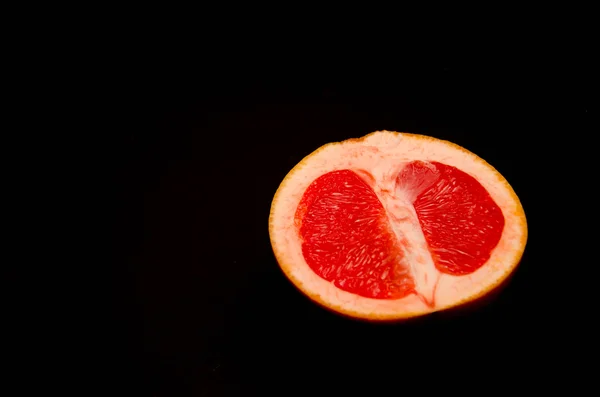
column 394, row 225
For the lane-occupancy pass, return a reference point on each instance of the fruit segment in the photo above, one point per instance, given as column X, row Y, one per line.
column 461, row 222
column 347, row 239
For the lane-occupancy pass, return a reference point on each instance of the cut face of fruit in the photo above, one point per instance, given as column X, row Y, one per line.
column 395, row 225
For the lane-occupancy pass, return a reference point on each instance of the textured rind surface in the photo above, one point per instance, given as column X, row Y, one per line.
column 376, row 152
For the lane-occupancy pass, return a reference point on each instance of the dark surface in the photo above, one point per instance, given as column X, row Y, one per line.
column 202, row 307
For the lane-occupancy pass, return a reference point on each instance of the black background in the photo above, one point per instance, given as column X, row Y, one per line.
column 201, row 307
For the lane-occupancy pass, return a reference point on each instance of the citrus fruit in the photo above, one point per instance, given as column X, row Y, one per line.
column 394, row 225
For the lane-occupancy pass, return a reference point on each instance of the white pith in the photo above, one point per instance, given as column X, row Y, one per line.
column 383, row 154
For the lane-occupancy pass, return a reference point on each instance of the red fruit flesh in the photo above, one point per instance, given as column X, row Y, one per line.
column 347, row 240
column 461, row 222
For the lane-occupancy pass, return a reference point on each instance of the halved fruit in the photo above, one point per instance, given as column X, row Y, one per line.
column 395, row 225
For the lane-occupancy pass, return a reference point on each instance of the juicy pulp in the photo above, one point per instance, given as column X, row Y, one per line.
column 351, row 239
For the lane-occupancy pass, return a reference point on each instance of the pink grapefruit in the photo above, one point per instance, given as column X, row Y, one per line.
column 393, row 225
